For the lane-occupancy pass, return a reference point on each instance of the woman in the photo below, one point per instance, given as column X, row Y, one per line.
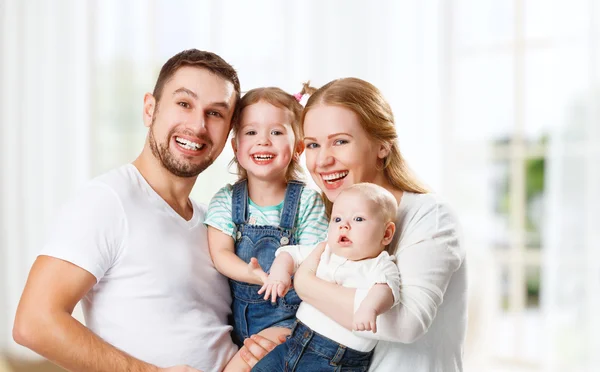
column 350, row 137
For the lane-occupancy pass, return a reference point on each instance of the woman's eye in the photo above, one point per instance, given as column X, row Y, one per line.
column 337, row 219
column 340, row 142
column 184, row 104
column 311, row 145
column 358, row 219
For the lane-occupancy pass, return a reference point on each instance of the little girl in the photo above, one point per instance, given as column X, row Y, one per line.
column 267, row 208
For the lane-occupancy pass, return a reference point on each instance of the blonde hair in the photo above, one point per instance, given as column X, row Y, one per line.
column 388, row 206
column 278, row 98
column 376, row 118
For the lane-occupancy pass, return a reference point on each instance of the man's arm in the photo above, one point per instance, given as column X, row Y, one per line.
column 45, row 325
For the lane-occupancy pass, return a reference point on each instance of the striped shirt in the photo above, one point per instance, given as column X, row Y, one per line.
column 311, row 222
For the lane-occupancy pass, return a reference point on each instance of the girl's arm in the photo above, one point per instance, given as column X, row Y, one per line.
column 222, row 251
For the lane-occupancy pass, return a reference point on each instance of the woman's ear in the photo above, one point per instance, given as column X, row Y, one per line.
column 149, row 108
column 390, row 229
column 384, row 150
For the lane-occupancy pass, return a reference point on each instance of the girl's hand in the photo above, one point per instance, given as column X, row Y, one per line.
column 255, row 269
column 276, row 285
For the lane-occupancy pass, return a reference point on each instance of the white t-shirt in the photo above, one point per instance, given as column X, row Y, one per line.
column 426, row 331
column 158, row 296
column 352, row 274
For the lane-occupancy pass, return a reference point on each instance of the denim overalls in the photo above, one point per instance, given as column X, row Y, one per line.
column 251, row 312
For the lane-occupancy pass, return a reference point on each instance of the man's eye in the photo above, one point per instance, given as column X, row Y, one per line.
column 184, row 104
column 215, row 113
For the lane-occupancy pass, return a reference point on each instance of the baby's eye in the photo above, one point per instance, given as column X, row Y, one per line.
column 358, row 219
column 337, row 219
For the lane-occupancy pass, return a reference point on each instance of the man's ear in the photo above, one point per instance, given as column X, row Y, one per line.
column 149, row 109
column 384, row 150
column 390, row 229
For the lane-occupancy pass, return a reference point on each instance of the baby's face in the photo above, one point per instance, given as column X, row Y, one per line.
column 356, row 228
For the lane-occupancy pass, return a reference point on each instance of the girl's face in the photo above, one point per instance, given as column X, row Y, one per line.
column 264, row 144
column 339, row 153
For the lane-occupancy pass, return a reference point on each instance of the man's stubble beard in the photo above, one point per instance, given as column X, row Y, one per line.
column 175, row 166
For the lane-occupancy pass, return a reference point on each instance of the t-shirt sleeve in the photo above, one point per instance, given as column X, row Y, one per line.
column 312, row 220
column 89, row 230
column 219, row 211
column 385, row 271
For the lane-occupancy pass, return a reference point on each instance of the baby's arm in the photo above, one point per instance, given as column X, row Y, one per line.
column 380, row 297
column 222, row 251
column 280, row 277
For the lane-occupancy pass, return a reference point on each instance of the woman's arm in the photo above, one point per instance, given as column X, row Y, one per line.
column 333, row 300
column 222, row 251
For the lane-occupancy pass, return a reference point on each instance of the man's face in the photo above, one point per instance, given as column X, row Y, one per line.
column 190, row 124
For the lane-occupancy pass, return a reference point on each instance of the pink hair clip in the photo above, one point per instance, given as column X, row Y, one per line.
column 298, row 96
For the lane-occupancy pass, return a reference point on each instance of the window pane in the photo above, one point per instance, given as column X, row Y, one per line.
column 535, row 202
column 484, row 98
column 483, row 22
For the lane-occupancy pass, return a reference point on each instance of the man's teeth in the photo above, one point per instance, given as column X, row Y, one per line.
column 263, row 157
column 187, row 144
column 334, row 176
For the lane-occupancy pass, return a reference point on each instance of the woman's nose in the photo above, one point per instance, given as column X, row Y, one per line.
column 325, row 158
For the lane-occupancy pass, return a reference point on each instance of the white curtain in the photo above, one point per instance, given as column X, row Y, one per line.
column 73, row 74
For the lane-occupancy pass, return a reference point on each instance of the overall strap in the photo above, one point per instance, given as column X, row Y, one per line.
column 239, row 202
column 291, row 204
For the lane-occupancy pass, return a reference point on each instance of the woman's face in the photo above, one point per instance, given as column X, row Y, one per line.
column 339, row 153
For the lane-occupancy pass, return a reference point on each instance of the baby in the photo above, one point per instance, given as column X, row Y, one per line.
column 360, row 228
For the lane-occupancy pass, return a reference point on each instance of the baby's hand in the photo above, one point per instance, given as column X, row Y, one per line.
column 276, row 285
column 255, row 269
column 365, row 319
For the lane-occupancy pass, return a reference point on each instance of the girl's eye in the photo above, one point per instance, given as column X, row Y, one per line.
column 184, row 104
column 337, row 219
column 276, row 133
column 358, row 219
column 340, row 142
column 311, row 145
column 251, row 133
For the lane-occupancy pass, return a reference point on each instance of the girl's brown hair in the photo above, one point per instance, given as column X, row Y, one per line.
column 278, row 98
column 376, row 118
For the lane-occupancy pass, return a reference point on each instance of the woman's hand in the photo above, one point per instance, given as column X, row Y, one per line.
column 307, row 272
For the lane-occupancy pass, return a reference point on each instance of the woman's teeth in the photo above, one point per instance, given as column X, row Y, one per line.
column 189, row 145
column 333, row 177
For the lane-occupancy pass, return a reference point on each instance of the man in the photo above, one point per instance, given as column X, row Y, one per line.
column 132, row 245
